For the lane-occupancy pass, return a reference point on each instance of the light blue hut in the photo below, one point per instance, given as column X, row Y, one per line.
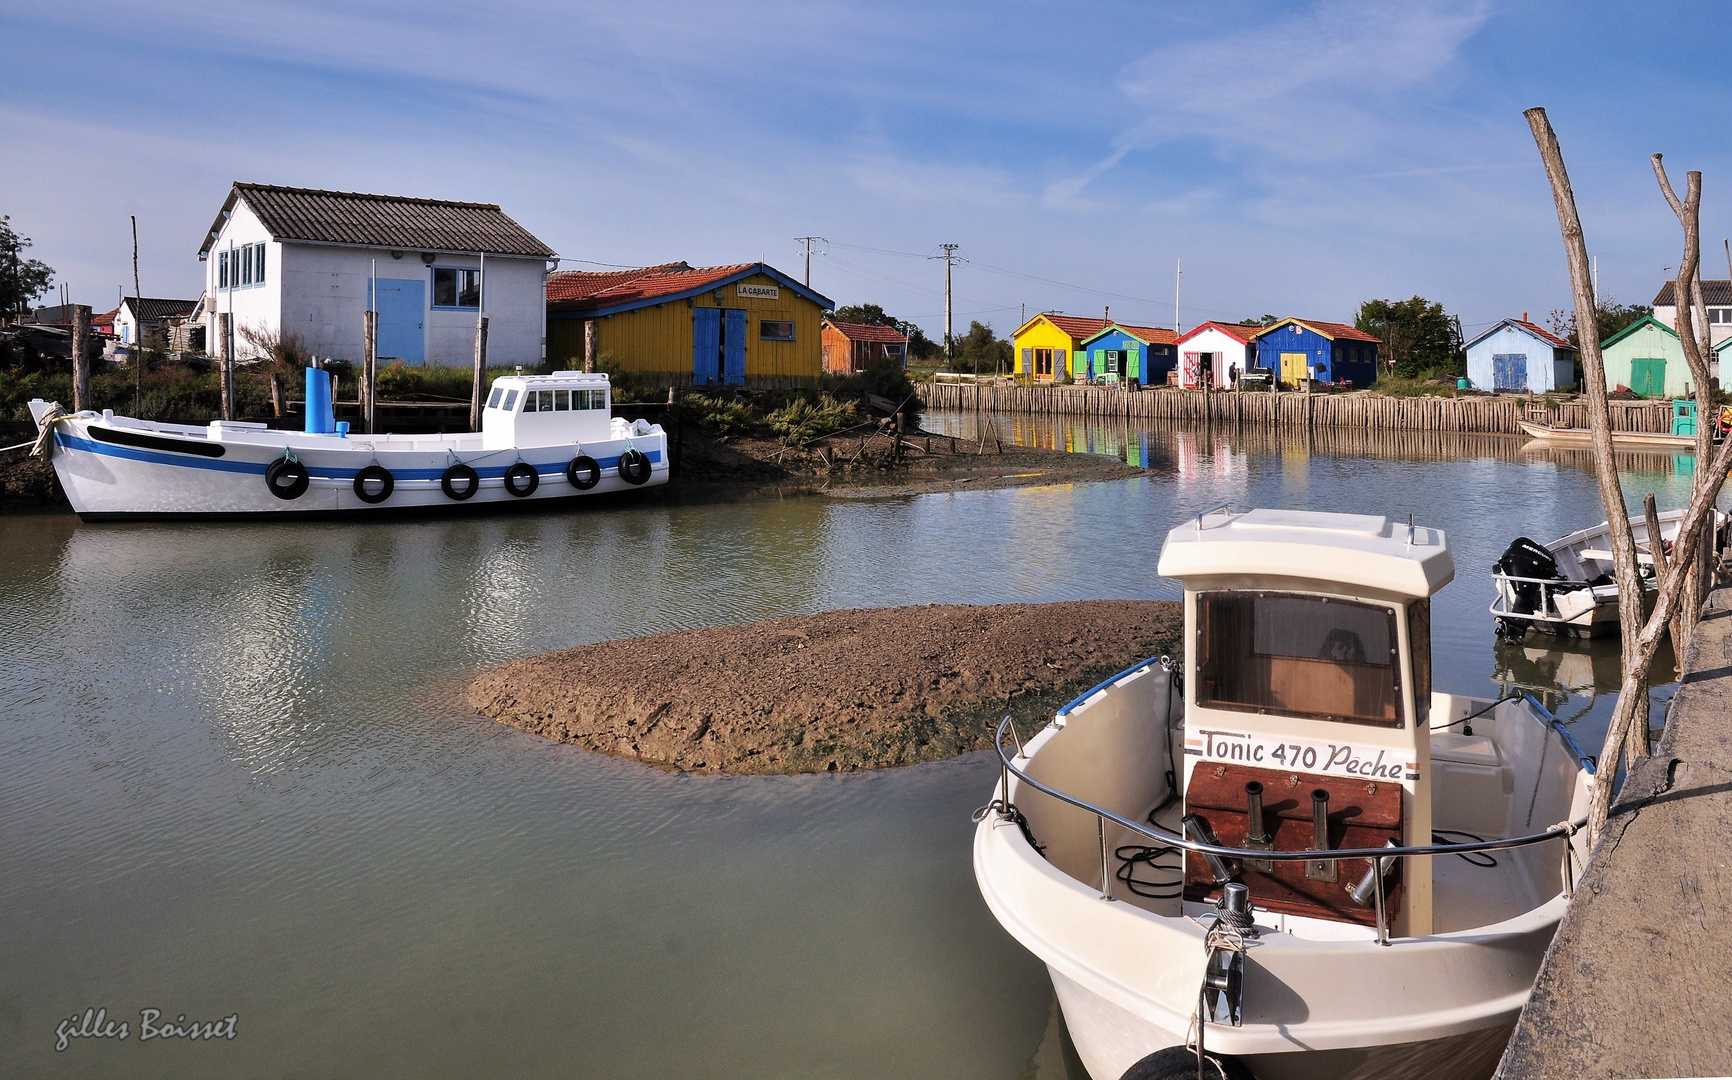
column 1518, row 357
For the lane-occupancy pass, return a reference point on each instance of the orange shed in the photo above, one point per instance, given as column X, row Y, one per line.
column 851, row 347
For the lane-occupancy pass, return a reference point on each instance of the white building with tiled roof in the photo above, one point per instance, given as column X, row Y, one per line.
column 1716, row 297
column 309, row 263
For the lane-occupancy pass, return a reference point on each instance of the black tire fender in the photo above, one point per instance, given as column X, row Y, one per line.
column 377, row 474
column 287, row 479
column 584, row 472
column 1180, row 1063
column 522, row 479
column 459, row 474
column 634, row 466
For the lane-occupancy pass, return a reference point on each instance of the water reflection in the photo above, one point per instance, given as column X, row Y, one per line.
column 254, row 737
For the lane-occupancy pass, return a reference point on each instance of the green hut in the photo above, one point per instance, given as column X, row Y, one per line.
column 1647, row 357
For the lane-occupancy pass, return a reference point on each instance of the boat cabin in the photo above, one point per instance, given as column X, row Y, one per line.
column 565, row 408
column 1307, row 696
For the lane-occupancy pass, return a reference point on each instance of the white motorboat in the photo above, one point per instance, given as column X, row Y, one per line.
column 542, row 438
column 1191, row 854
column 1567, row 587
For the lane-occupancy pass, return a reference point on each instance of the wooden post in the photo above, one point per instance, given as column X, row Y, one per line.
column 277, row 405
column 227, row 368
column 480, row 373
column 80, row 357
column 370, row 371
column 590, row 333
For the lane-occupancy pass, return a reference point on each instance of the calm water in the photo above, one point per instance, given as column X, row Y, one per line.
column 237, row 774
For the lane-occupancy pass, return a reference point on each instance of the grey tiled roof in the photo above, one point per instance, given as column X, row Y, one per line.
column 153, row 308
column 1714, row 294
column 383, row 221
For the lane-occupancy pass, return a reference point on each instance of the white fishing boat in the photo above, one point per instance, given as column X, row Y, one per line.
column 543, row 438
column 1567, row 587
column 1191, row 853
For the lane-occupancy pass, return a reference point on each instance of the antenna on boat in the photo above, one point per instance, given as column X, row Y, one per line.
column 1410, row 528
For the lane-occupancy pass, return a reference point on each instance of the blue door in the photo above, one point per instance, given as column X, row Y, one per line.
column 402, row 311
column 706, row 346
column 1509, row 371
column 734, row 347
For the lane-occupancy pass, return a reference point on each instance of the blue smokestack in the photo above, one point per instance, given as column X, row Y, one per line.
column 321, row 419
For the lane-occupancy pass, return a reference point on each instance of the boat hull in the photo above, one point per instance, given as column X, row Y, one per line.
column 1626, row 440
column 176, row 476
column 1113, row 1033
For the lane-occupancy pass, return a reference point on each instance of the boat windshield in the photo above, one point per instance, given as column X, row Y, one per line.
column 1298, row 655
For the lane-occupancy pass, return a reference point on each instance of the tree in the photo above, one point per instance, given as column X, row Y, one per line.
column 1609, row 314
column 919, row 345
column 1418, row 336
column 21, row 280
column 980, row 350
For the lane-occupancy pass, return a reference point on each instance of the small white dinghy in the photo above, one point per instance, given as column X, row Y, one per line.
column 1190, row 854
column 542, row 438
column 1566, row 587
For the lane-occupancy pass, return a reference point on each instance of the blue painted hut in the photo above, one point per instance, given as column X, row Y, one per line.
column 1121, row 353
column 1300, row 349
column 1519, row 357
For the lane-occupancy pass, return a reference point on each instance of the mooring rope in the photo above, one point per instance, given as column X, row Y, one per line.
column 44, row 445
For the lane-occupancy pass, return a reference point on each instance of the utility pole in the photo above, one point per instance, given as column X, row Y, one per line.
column 950, row 259
column 806, row 242
column 1178, row 273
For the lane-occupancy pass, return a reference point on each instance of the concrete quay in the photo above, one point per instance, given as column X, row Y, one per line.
column 1638, row 982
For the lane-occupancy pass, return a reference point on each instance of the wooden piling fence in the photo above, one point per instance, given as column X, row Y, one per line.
column 1492, row 415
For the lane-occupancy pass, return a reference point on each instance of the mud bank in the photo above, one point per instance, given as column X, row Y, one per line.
column 837, row 691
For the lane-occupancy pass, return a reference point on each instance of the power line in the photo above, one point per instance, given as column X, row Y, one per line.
column 806, row 242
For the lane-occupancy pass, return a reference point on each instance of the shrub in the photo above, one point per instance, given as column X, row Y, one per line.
column 803, row 419
column 717, row 417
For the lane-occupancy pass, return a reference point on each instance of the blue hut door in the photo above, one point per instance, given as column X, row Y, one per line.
column 734, row 347
column 706, row 346
column 402, row 319
column 1509, row 371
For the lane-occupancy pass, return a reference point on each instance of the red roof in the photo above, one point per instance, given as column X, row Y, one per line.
column 1076, row 326
column 1544, row 335
column 1154, row 335
column 582, row 290
column 1237, row 331
column 854, row 331
column 1332, row 330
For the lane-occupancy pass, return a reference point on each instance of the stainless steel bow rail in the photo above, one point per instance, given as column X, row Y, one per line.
column 1385, row 856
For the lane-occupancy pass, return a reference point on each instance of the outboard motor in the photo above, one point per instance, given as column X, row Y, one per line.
column 1524, row 559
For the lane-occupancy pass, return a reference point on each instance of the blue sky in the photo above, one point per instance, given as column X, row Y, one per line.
column 1299, row 158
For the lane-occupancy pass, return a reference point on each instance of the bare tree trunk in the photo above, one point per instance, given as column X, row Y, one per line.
column 589, row 343
column 80, row 357
column 1692, row 314
column 480, row 374
column 277, row 403
column 1631, row 697
column 1594, row 371
column 228, row 367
